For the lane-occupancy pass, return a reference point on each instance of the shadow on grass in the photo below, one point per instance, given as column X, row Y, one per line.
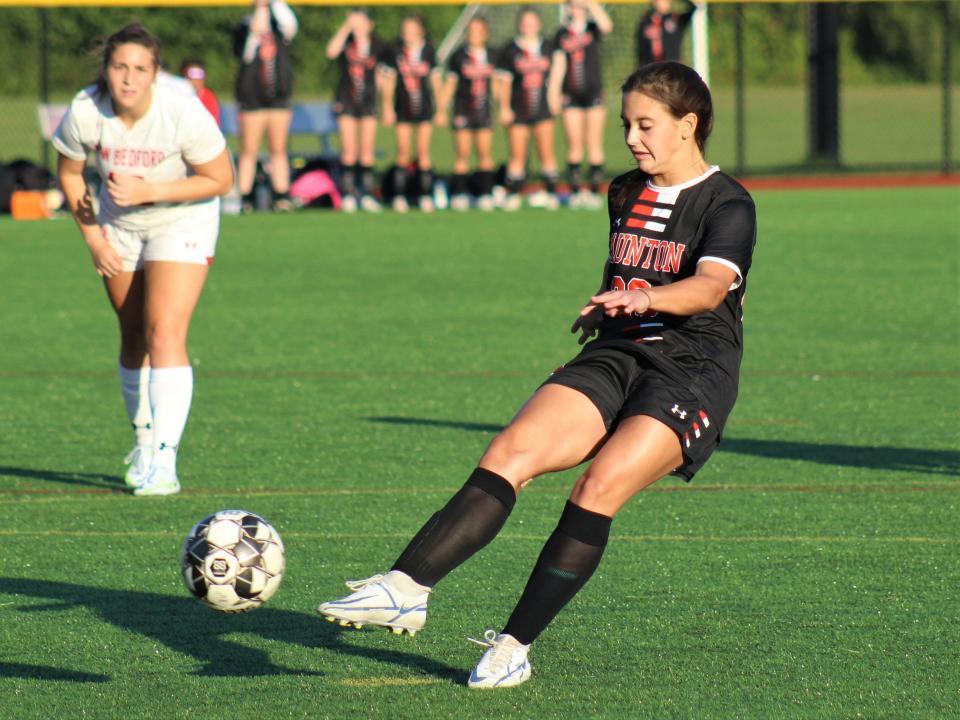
column 97, row 480
column 184, row 625
column 920, row 460
column 40, row 672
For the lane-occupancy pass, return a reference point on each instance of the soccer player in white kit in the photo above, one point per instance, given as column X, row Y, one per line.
column 163, row 164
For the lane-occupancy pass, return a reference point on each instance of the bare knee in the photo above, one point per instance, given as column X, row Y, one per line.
column 513, row 455
column 165, row 339
column 598, row 491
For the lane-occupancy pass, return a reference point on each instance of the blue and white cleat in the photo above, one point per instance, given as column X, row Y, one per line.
column 138, row 462
column 393, row 601
column 504, row 664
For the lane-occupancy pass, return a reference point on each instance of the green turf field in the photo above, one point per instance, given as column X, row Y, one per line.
column 350, row 371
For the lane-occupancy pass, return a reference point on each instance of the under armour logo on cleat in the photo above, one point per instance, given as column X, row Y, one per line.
column 682, row 414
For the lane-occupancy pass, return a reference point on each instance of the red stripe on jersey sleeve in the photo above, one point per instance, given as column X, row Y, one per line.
column 634, row 223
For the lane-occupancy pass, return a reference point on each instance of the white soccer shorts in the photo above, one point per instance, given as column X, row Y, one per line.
column 187, row 240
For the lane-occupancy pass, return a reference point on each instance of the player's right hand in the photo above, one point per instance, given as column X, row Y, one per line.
column 587, row 322
column 389, row 117
column 106, row 260
column 506, row 116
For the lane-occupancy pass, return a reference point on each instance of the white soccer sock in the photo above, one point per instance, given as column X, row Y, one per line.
column 136, row 396
column 171, row 390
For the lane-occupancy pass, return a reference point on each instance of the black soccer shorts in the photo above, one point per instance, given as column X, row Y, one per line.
column 623, row 384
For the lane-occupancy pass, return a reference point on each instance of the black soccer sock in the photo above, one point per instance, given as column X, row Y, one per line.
column 550, row 180
column 399, row 181
column 459, row 184
column 575, row 175
column 366, row 179
column 596, row 178
column 348, row 179
column 426, row 182
column 484, row 180
column 565, row 564
column 514, row 183
column 466, row 524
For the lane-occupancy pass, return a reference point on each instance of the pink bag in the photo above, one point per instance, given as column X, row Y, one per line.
column 312, row 185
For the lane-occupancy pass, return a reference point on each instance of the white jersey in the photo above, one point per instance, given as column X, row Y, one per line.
column 176, row 132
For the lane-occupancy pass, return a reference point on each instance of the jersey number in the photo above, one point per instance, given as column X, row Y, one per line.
column 634, row 284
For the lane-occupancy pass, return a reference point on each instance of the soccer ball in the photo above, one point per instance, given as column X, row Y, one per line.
column 232, row 561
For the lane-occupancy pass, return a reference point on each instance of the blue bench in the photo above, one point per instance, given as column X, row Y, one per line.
column 309, row 118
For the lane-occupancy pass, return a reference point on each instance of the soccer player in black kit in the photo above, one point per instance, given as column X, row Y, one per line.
column 529, row 100
column 357, row 51
column 648, row 397
column 660, row 32
column 470, row 83
column 411, row 83
column 584, row 107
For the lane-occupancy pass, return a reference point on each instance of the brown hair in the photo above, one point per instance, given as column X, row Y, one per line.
column 133, row 33
column 680, row 88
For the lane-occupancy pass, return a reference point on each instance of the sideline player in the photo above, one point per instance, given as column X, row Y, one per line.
column 529, row 100
column 358, row 52
column 469, row 83
column 163, row 164
column 647, row 398
column 411, row 83
column 584, row 108
column 264, row 89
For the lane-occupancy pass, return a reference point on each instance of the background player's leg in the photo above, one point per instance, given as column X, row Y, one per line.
column 172, row 292
column 596, row 120
column 462, row 142
column 484, row 148
column 252, row 126
column 640, row 452
column 425, row 165
column 366, row 157
column 518, row 137
column 278, row 130
column 543, row 135
column 347, row 126
column 529, row 446
column 403, row 133
column 125, row 291
column 573, row 126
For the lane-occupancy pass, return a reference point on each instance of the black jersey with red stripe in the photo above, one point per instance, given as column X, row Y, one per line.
column 530, row 69
column 583, row 59
column 414, row 96
column 358, row 63
column 658, row 236
column 474, row 71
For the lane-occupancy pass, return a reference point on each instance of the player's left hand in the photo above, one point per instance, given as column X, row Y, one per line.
column 128, row 190
column 622, row 302
column 587, row 322
column 440, row 119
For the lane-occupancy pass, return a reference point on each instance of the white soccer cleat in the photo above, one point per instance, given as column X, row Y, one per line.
column 512, row 202
column 460, row 203
column 590, row 200
column 393, row 601
column 486, row 203
column 426, row 204
column 504, row 664
column 370, row 204
column 400, row 204
column 160, row 481
column 348, row 204
column 138, row 461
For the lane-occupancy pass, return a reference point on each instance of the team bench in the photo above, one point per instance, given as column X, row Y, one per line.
column 309, row 118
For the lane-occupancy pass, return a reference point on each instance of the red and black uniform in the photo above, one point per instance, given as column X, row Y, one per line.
column 472, row 100
column 413, row 98
column 583, row 82
column 659, row 36
column 357, row 89
column 530, row 70
column 681, row 370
